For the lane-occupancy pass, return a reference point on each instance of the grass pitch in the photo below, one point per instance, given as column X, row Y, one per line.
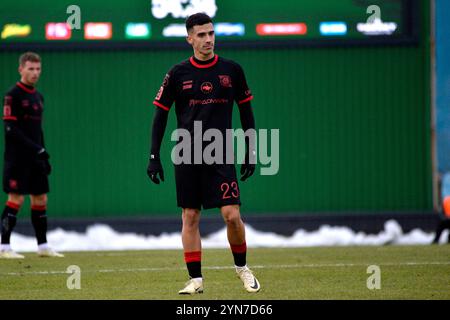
column 406, row 272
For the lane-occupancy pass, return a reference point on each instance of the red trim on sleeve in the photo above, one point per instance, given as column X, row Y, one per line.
column 203, row 66
column 21, row 86
column 246, row 100
column 10, row 118
column 193, row 256
column 156, row 103
column 13, row 205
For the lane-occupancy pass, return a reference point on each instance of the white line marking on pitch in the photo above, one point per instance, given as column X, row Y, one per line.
column 283, row 266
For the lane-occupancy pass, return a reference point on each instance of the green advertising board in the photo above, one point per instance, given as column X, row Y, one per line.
column 158, row 22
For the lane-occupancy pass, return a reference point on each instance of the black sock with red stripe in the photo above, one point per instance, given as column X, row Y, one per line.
column 193, row 261
column 39, row 221
column 239, row 254
column 9, row 220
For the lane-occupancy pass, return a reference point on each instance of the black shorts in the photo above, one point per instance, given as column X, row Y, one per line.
column 210, row 186
column 22, row 178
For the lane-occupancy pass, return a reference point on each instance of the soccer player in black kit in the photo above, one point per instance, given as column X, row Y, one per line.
column 204, row 88
column 26, row 164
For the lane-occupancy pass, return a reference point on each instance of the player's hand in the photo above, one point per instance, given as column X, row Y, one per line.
column 44, row 166
column 154, row 169
column 47, row 167
column 43, row 154
column 247, row 169
column 42, row 161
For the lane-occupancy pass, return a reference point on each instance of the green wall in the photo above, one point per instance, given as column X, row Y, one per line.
column 354, row 128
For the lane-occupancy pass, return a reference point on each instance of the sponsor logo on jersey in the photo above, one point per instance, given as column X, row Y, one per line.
column 159, row 94
column 32, row 118
column 25, row 103
column 187, row 84
column 194, row 102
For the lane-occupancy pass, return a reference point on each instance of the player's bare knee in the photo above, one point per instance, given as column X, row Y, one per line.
column 231, row 215
column 233, row 221
column 191, row 217
column 16, row 199
column 38, row 200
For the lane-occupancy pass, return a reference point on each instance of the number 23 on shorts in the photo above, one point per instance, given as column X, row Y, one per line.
column 229, row 190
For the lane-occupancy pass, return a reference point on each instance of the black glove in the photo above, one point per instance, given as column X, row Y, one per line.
column 43, row 155
column 46, row 167
column 154, row 168
column 42, row 161
column 247, row 168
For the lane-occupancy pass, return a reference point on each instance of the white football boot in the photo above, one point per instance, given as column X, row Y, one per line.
column 251, row 284
column 193, row 286
column 9, row 254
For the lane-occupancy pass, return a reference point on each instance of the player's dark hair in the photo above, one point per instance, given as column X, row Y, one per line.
column 29, row 56
column 197, row 19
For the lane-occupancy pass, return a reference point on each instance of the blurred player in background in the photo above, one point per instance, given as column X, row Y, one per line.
column 444, row 216
column 204, row 88
column 26, row 166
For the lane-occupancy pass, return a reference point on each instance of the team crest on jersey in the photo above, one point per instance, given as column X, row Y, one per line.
column 225, row 81
column 206, row 87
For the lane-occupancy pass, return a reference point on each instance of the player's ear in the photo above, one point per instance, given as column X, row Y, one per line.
column 189, row 39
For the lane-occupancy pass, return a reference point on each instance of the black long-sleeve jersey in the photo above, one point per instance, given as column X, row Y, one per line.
column 204, row 92
column 22, row 114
